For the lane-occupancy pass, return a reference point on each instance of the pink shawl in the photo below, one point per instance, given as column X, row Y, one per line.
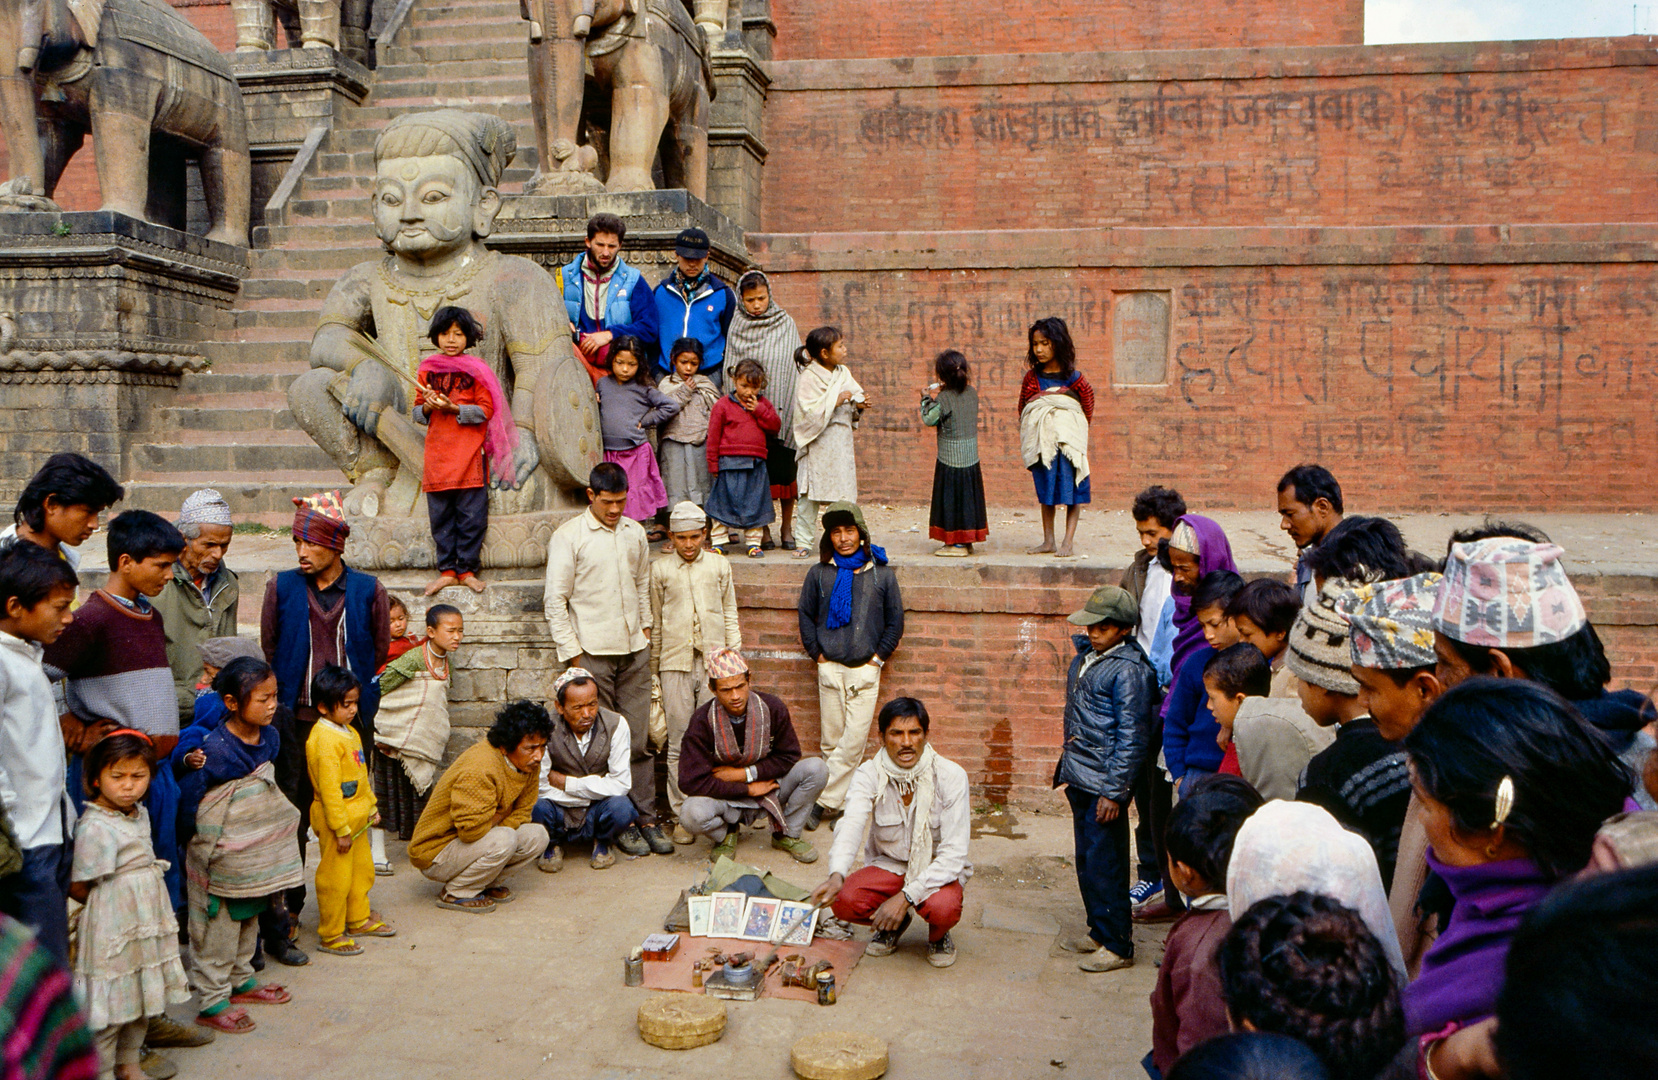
column 501, row 436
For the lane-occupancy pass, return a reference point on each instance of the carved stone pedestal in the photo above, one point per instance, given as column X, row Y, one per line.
column 736, row 150
column 552, row 229
column 100, row 314
column 294, row 97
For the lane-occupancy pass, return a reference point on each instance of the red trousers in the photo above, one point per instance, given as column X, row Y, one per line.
column 869, row 888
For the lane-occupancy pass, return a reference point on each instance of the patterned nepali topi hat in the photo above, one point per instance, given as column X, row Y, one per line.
column 1507, row 593
column 320, row 519
column 205, row 507
column 1391, row 622
column 724, row 663
column 568, row 676
column 1318, row 651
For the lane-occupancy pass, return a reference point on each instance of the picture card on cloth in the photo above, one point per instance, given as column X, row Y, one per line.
column 760, row 918
column 701, row 909
column 726, row 916
column 787, row 914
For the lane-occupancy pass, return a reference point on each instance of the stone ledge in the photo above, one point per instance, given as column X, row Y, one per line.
column 1204, row 65
column 1272, row 245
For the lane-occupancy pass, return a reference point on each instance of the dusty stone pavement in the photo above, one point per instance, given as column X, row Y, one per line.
column 535, row 990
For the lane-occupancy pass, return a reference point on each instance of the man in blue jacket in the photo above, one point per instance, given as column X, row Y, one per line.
column 604, row 296
column 1110, row 704
column 692, row 303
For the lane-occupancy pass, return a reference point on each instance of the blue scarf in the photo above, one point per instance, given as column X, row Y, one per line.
column 840, row 598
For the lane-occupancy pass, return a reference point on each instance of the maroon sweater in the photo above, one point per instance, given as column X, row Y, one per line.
column 733, row 431
column 1186, row 1003
column 698, row 758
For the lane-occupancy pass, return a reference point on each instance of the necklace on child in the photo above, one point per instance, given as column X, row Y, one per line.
column 431, row 664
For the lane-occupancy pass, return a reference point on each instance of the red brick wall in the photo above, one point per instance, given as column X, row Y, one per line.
column 1528, row 132
column 853, row 28
column 1466, row 387
column 987, row 651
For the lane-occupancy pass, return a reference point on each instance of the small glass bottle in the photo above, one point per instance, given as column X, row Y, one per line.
column 826, row 988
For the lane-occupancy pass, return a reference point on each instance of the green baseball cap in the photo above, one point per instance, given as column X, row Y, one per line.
column 1108, row 602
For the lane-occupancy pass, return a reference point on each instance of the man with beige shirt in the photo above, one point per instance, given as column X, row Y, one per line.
column 598, row 609
column 694, row 610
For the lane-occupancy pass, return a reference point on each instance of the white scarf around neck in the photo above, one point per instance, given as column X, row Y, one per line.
column 918, row 783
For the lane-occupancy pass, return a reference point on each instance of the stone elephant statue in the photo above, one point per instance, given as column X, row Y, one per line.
column 315, row 24
column 146, row 85
column 649, row 89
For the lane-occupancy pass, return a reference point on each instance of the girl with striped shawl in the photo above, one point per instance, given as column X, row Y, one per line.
column 245, row 848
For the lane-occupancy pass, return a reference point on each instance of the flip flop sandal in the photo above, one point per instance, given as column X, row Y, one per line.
column 788, row 543
column 768, row 545
column 383, row 869
column 656, row 536
column 802, row 553
column 373, row 926
column 477, row 905
column 756, row 552
column 231, row 1021
column 267, row 994
column 340, row 946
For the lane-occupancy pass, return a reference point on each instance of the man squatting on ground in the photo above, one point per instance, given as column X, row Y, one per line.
column 913, row 805
column 586, row 775
column 740, row 758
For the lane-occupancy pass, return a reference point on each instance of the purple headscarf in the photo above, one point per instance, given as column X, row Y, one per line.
column 1214, row 553
column 1463, row 971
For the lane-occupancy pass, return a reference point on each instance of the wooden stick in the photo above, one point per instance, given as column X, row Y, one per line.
column 371, row 348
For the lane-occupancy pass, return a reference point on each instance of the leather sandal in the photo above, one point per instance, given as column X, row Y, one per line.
column 230, row 1021
column 264, row 994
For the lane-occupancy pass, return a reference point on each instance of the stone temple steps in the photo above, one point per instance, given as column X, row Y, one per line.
column 230, row 427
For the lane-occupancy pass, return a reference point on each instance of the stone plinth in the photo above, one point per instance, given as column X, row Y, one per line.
column 552, row 229
column 100, row 315
column 736, row 151
column 294, row 97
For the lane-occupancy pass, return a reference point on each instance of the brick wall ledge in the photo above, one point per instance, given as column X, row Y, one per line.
column 1196, row 65
column 1272, row 245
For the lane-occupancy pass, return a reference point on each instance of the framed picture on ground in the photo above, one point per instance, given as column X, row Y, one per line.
column 787, row 914
column 701, row 910
column 725, row 918
column 760, row 918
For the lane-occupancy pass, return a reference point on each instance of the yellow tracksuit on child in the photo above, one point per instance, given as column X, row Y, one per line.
column 343, row 807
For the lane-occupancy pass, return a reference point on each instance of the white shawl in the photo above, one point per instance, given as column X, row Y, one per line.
column 1051, row 425
column 815, row 400
column 413, row 720
column 919, row 784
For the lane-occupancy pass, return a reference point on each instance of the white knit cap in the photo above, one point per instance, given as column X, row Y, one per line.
column 686, row 516
column 205, row 507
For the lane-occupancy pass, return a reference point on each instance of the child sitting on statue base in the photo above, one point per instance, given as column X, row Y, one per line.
column 468, row 419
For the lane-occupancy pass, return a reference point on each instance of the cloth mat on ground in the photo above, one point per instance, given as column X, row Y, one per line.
column 675, row 974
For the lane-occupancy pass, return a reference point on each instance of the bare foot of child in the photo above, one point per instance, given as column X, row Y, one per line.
column 440, row 583
column 1047, row 546
column 1064, row 551
column 474, row 582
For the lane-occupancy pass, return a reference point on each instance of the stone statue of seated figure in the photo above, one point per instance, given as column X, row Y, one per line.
column 435, row 198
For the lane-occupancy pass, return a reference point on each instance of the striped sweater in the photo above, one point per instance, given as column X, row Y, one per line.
column 115, row 658
column 46, row 1037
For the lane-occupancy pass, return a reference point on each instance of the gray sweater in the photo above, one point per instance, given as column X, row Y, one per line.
column 627, row 409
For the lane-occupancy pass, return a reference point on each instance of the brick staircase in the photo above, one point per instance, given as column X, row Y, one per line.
column 230, row 427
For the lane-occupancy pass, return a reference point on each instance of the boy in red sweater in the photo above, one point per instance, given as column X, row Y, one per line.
column 1186, row 1005
column 737, row 430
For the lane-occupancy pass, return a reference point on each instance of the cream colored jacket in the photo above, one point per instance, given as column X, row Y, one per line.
column 694, row 609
